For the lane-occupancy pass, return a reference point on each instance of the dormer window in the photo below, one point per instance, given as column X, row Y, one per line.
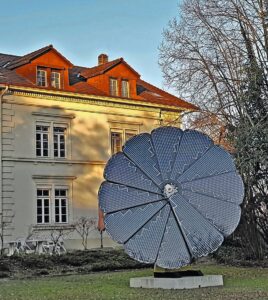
column 125, row 89
column 41, row 77
column 113, row 87
column 55, row 79
column 48, row 77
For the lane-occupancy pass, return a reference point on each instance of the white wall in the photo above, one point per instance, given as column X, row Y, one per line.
column 88, row 148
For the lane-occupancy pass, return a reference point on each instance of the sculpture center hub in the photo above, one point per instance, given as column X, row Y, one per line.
column 170, row 189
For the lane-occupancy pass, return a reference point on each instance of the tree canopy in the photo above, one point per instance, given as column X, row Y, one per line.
column 215, row 53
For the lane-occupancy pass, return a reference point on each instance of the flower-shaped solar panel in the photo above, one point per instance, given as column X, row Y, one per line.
column 171, row 196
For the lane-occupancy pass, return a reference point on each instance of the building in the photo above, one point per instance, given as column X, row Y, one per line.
column 60, row 123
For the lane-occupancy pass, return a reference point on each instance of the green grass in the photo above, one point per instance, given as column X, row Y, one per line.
column 239, row 283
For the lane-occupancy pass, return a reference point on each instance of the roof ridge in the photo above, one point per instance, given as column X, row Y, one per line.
column 32, row 55
column 27, row 57
column 108, row 62
column 75, row 66
column 9, row 54
column 100, row 69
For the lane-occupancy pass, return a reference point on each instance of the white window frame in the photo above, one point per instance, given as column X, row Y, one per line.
column 58, row 141
column 111, row 140
column 54, row 80
column 113, row 86
column 123, row 132
column 60, row 198
column 51, row 125
column 52, row 203
column 125, row 88
column 44, row 72
column 42, row 133
column 43, row 198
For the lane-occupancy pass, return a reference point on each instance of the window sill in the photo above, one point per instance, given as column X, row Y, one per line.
column 51, row 160
column 53, row 227
column 49, row 87
column 54, row 158
column 66, row 177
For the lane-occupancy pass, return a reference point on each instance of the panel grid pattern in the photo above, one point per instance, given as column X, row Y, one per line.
column 171, row 196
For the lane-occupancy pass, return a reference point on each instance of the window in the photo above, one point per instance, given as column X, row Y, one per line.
column 41, row 77
column 125, row 89
column 42, row 133
column 47, row 145
column 119, row 137
column 113, row 87
column 59, row 141
column 52, row 200
column 43, row 209
column 48, row 77
column 116, row 142
column 55, row 79
column 61, row 206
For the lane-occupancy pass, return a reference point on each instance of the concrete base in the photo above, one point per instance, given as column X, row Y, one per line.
column 177, row 283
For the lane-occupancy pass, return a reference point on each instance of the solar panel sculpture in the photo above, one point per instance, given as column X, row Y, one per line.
column 170, row 196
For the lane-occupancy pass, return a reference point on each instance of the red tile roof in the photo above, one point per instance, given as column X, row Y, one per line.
column 153, row 94
column 101, row 69
column 11, row 77
column 147, row 92
column 30, row 56
column 6, row 59
column 85, row 88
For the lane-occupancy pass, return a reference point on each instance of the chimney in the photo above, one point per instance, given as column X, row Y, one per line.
column 102, row 59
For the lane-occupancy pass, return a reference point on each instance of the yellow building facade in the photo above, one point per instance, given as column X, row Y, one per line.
column 54, row 147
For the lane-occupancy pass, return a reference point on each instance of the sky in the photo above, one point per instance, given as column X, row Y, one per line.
column 82, row 29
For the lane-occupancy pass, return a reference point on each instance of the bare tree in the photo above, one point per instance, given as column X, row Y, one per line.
column 216, row 55
column 83, row 227
column 56, row 239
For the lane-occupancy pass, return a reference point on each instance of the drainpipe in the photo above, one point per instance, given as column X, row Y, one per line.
column 2, row 93
column 160, row 117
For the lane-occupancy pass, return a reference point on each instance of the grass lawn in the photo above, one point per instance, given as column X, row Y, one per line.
column 239, row 283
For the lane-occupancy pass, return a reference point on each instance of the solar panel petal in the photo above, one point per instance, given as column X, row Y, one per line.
column 171, row 196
